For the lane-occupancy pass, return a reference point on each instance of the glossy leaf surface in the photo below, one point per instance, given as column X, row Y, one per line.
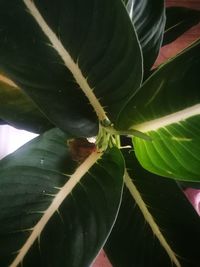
column 148, row 17
column 179, row 20
column 62, row 213
column 132, row 242
column 66, row 58
column 167, row 108
column 19, row 111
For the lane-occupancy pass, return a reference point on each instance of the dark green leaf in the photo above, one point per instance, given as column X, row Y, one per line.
column 99, row 46
column 184, row 185
column 125, row 1
column 39, row 174
column 167, row 108
column 148, row 17
column 179, row 20
column 2, row 122
column 132, row 242
column 19, row 111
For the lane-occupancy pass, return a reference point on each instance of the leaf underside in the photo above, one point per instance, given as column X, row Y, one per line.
column 31, row 178
column 179, row 20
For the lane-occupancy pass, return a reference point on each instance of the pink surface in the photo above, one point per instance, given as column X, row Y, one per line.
column 178, row 45
column 102, row 260
column 184, row 3
column 194, row 197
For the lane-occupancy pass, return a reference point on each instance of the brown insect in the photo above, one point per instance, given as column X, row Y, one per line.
column 80, row 149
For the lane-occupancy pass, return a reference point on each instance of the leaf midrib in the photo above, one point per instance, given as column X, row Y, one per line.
column 7, row 81
column 149, row 219
column 164, row 121
column 67, row 59
column 54, row 206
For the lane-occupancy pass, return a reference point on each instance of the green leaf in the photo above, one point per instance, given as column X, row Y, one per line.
column 54, row 213
column 65, row 57
column 2, row 122
column 132, row 242
column 148, row 17
column 167, row 108
column 18, row 110
column 179, row 20
column 125, row 1
column 184, row 185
